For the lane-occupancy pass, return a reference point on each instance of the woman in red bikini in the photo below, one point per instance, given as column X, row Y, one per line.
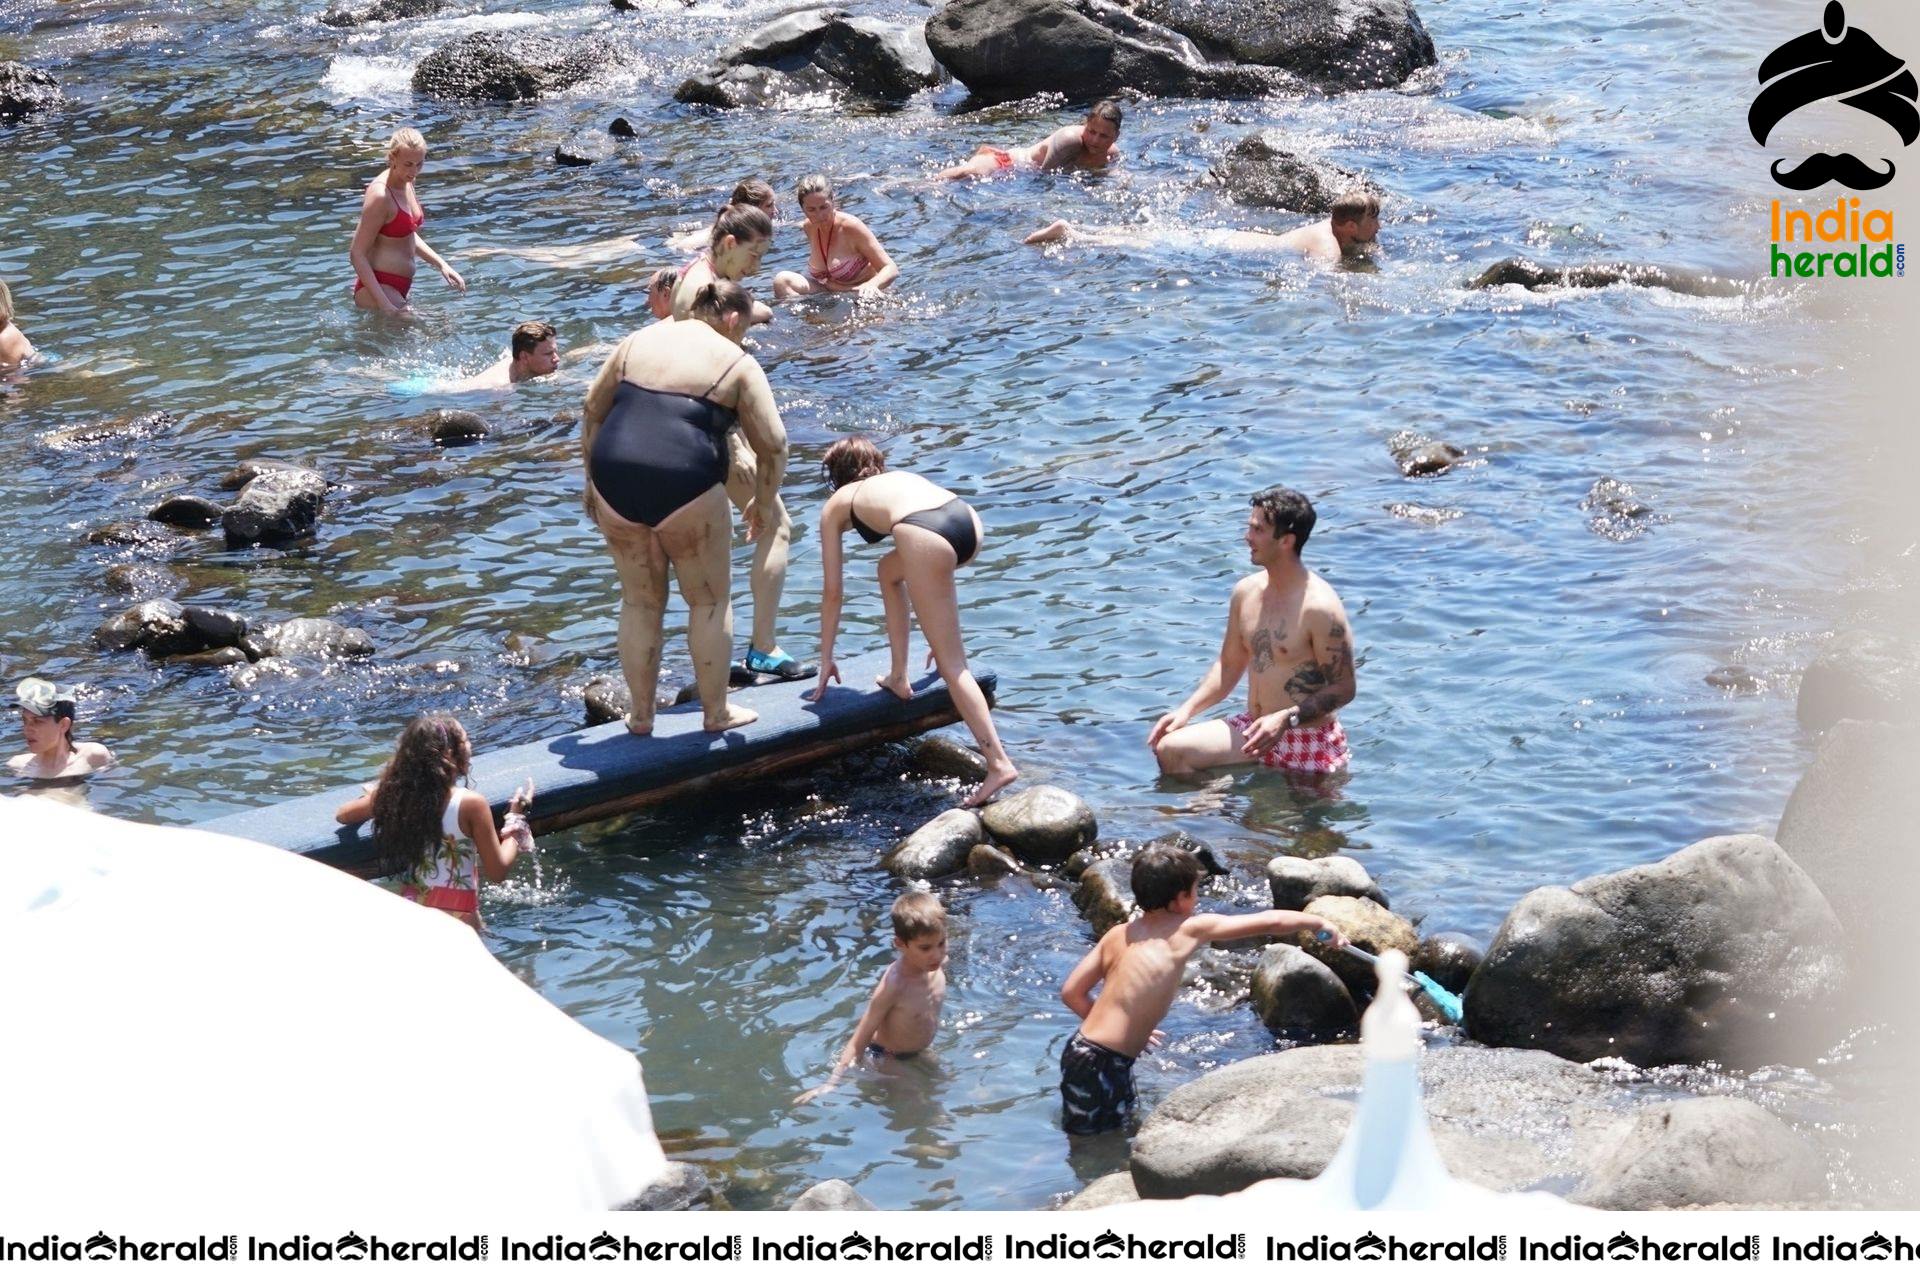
column 843, row 256
column 388, row 238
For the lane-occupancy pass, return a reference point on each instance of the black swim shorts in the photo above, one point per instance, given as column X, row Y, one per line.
column 1096, row 1087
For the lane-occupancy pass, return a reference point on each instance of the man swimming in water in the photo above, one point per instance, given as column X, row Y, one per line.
column 1346, row 235
column 1082, row 146
column 533, row 352
column 46, row 721
column 1287, row 625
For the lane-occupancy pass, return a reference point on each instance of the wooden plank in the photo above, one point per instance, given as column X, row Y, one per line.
column 601, row 772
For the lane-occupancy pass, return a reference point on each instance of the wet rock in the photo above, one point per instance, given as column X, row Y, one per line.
column 315, row 638
column 1041, row 824
column 1256, row 172
column 130, row 533
column 1126, row 849
column 225, row 656
column 144, row 581
column 186, row 511
column 243, row 474
column 608, row 700
column 1352, row 44
column 937, row 756
column 1295, row 994
column 1531, row 275
column 111, row 429
column 358, row 15
column 1704, row 1152
column 1449, row 959
column 622, row 128
column 510, row 66
column 1505, row 1119
column 1419, row 455
column 278, row 505
column 448, row 426
column 1104, row 894
column 254, row 646
column 987, row 862
column 818, row 51
column 1861, row 676
column 1109, row 1189
column 624, row 6
column 1737, row 678
column 1424, row 515
column 587, row 147
column 682, row 1187
column 833, row 1194
column 264, row 671
column 1369, row 927
column 1296, row 882
column 25, row 90
column 1725, row 951
column 1615, row 512
column 215, row 627
column 157, row 627
column 938, row 848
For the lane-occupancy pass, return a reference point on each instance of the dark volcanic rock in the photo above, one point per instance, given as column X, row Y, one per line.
column 1294, row 994
column 243, row 474
column 143, row 580
column 1257, row 173
column 607, row 699
column 278, row 505
column 452, row 426
column 157, row 627
column 588, row 147
column 989, row 862
column 214, row 628
column 315, row 638
column 1860, row 676
column 1335, row 45
column 225, row 656
column 112, row 429
column 937, row 756
column 509, row 66
column 1449, row 959
column 1616, row 513
column 1418, row 455
column 1531, row 275
column 25, row 90
column 818, row 51
column 355, row 15
column 1725, row 951
column 130, row 533
column 187, row 511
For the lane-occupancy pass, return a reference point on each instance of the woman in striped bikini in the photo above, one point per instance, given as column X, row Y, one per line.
column 843, row 256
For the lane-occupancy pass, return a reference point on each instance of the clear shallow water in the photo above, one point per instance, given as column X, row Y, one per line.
column 1532, row 704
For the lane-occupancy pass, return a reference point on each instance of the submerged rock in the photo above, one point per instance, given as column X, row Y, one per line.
column 683, row 1187
column 1419, row 455
column 936, row 849
column 356, row 15
column 26, row 90
column 1125, row 849
column 1041, row 824
column 1616, row 513
column 1424, row 515
column 1736, row 677
column 818, row 51
column 225, row 656
column 157, row 627
column 131, row 533
column 607, row 699
column 111, row 429
column 1369, row 927
column 1725, row 951
column 1862, row 676
column 1704, row 1152
column 243, row 474
column 990, row 862
column 510, row 66
column 587, row 147
column 1531, row 275
column 278, row 505
column 833, row 1194
column 143, row 580
column 448, row 426
column 1296, row 882
column 186, row 511
column 1295, row 994
column 1255, row 172
column 315, row 638
column 1109, row 1189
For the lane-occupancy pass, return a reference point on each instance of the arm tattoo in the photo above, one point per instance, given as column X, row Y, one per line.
column 1327, row 692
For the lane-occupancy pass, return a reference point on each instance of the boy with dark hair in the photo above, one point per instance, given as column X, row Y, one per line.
column 904, row 1012
column 1089, row 145
column 1138, row 967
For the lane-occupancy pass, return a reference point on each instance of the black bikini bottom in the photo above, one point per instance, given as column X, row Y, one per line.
column 953, row 522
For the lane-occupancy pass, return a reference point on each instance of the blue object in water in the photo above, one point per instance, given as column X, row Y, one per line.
column 1450, row 1005
column 415, row 384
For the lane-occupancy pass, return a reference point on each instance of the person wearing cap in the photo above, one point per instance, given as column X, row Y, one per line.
column 46, row 718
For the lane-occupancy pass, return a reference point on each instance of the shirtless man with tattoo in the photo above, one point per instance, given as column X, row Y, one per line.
column 1285, row 624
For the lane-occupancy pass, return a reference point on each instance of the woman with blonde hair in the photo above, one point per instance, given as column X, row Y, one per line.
column 843, row 255
column 934, row 533
column 388, row 239
column 14, row 347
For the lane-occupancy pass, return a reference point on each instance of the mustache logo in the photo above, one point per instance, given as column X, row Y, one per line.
column 1835, row 62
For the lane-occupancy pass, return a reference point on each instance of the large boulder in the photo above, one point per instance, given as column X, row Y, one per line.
column 818, row 51
column 1708, row 1151
column 1725, row 951
column 1861, row 676
column 1505, row 1119
column 279, row 505
column 1043, row 824
column 1449, row 959
column 156, row 627
column 1369, row 927
column 1529, row 274
column 937, row 756
column 938, row 848
column 213, row 628
column 833, row 1194
column 1296, row 882
column 1295, row 995
column 314, row 638
column 1104, row 894
column 1256, row 172
column 1334, row 45
column 356, row 15
column 25, row 90
column 510, row 66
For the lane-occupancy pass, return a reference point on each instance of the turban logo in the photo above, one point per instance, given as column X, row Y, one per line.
column 1835, row 62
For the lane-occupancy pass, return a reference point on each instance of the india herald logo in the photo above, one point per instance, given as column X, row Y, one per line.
column 1835, row 62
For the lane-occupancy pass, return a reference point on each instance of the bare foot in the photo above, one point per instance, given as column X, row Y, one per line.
column 733, row 718
column 642, row 728
column 998, row 776
column 1052, row 233
column 901, row 689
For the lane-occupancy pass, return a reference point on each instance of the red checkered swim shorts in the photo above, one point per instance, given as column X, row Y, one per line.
column 1304, row 749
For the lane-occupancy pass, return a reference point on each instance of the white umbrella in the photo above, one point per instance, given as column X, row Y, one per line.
column 197, row 1020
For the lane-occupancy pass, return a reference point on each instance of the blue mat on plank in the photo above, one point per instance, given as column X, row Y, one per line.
column 589, row 768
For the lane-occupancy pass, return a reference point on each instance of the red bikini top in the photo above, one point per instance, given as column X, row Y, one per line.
column 404, row 224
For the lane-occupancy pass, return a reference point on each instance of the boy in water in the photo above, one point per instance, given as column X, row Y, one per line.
column 1138, row 967
column 904, row 1013
column 1087, row 146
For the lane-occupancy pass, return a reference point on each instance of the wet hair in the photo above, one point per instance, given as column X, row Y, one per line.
column 1288, row 512
column 413, row 792
column 852, row 459
column 717, row 297
column 917, row 915
column 814, row 184
column 529, row 335
column 408, row 139
column 1352, row 206
column 757, row 192
column 742, row 222
column 6, row 305
column 1162, row 872
column 1106, row 109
